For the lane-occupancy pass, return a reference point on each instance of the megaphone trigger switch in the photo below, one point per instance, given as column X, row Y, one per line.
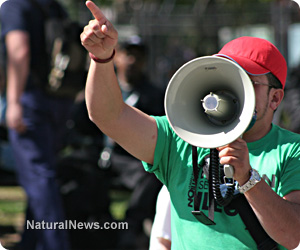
column 228, row 171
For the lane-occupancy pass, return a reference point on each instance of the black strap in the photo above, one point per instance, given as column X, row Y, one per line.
column 262, row 239
column 196, row 176
column 240, row 203
column 211, row 204
column 200, row 216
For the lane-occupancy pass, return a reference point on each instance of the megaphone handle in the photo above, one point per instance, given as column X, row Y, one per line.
column 228, row 171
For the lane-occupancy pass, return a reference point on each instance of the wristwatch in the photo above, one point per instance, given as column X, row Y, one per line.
column 254, row 179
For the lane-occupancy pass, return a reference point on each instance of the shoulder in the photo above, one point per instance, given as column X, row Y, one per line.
column 167, row 138
column 286, row 143
column 286, row 135
column 15, row 5
column 163, row 124
column 14, row 15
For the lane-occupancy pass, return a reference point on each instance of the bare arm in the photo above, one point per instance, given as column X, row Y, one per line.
column 165, row 244
column 280, row 217
column 18, row 59
column 132, row 129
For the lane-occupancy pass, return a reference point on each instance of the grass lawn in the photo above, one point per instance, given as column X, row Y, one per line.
column 13, row 205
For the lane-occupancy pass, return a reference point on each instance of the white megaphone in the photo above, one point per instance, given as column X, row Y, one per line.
column 210, row 102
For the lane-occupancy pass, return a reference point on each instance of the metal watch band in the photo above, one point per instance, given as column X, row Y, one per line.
column 254, row 179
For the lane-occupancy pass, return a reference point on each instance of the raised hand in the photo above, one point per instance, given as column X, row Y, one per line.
column 99, row 37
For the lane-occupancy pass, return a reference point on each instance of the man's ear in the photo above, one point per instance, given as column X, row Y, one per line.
column 276, row 96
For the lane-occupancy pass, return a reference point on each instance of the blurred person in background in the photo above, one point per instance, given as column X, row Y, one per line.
column 287, row 116
column 161, row 238
column 34, row 119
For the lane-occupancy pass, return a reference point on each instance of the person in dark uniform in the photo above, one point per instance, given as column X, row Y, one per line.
column 34, row 119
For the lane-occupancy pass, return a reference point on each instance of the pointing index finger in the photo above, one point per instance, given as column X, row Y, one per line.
column 97, row 13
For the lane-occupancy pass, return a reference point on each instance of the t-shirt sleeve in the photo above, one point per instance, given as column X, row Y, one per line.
column 162, row 150
column 13, row 17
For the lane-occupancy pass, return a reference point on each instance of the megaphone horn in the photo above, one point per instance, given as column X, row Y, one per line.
column 210, row 101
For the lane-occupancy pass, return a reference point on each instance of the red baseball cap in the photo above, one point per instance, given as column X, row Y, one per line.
column 256, row 56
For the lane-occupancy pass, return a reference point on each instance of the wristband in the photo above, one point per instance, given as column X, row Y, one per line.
column 98, row 60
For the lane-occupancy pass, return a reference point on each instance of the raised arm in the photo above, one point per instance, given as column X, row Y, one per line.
column 132, row 129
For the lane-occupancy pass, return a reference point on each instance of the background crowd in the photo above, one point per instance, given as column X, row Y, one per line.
column 66, row 166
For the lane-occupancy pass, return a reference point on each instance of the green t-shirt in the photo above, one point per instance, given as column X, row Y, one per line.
column 276, row 156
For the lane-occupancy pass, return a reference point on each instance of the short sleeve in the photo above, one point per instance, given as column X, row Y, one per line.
column 13, row 17
column 162, row 150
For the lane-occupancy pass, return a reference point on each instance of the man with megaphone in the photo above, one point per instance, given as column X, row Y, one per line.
column 265, row 161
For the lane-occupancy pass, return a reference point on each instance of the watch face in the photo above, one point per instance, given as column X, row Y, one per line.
column 255, row 175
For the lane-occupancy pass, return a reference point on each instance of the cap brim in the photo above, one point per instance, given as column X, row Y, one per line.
column 248, row 65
